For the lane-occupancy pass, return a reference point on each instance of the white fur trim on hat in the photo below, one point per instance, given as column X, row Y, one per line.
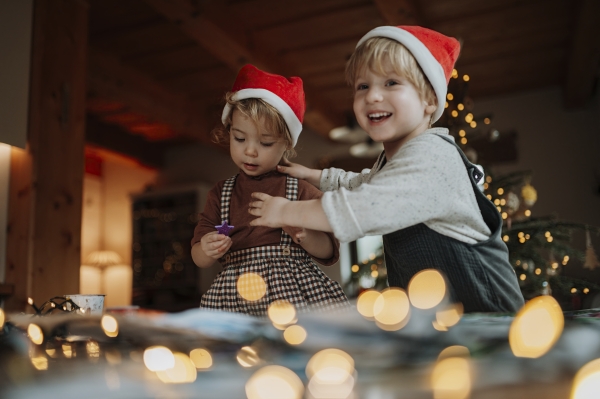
column 292, row 121
column 430, row 66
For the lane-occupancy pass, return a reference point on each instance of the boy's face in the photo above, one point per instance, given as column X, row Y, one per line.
column 389, row 108
column 253, row 149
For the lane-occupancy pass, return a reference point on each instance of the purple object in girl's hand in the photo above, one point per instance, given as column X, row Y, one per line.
column 224, row 228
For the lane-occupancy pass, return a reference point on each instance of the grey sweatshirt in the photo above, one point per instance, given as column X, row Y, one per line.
column 424, row 182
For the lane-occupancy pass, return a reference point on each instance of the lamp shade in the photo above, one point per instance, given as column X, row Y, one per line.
column 103, row 258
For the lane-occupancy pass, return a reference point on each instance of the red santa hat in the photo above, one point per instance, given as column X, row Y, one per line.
column 435, row 53
column 285, row 95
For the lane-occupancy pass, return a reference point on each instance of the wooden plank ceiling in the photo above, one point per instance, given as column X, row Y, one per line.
column 159, row 68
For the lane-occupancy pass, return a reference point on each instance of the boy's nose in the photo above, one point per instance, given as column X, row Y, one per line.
column 373, row 95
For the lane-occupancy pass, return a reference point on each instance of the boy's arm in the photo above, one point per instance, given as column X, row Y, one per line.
column 278, row 212
column 326, row 179
column 313, row 176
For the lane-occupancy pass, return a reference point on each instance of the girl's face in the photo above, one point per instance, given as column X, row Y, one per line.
column 389, row 108
column 253, row 149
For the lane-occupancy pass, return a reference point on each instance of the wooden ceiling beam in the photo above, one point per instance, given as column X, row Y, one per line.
column 235, row 55
column 109, row 79
column 399, row 12
column 584, row 61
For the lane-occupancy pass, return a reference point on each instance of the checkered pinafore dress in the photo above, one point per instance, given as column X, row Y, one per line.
column 289, row 272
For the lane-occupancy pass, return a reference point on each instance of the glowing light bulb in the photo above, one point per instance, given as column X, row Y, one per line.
column 273, row 382
column 157, row 358
column 586, row 384
column 366, row 302
column 427, row 289
column 294, row 335
column 392, row 309
column 536, row 327
column 201, row 358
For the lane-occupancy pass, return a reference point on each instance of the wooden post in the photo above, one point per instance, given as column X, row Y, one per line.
column 44, row 221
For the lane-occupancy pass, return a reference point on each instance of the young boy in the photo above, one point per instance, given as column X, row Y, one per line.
column 421, row 194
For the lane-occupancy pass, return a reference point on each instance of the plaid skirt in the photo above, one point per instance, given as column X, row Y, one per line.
column 288, row 274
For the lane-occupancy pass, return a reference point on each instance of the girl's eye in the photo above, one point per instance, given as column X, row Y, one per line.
column 267, row 144
column 238, row 139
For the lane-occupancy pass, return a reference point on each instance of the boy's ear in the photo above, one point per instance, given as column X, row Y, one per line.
column 430, row 109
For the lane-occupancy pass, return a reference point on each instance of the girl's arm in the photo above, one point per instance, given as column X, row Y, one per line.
column 278, row 212
column 316, row 243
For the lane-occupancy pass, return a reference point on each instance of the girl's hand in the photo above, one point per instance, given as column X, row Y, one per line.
column 313, row 176
column 268, row 209
column 215, row 245
column 298, row 234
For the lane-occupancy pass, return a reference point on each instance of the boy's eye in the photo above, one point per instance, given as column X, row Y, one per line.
column 391, row 83
column 361, row 86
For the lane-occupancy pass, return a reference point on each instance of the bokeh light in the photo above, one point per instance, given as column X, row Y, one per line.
column 274, row 382
column 451, row 379
column 330, row 374
column 158, row 358
column 247, row 357
column 536, row 327
column 281, row 312
column 450, row 315
column 93, row 349
column 68, row 351
column 294, row 335
column 36, row 335
column 366, row 302
column 251, row 286
column 392, row 309
column 586, row 384
column 183, row 370
column 110, row 326
column 2, row 320
column 40, row 362
column 427, row 289
column 201, row 358
column 454, row 351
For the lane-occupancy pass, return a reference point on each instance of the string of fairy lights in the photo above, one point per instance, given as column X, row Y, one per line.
column 328, row 370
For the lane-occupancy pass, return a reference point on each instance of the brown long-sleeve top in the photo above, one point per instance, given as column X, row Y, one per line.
column 243, row 235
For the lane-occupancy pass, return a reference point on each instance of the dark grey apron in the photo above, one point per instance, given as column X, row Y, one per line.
column 480, row 275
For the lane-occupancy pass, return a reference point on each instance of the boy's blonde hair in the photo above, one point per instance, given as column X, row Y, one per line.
column 258, row 111
column 377, row 53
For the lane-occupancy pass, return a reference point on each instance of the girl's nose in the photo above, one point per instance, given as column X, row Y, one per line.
column 251, row 150
column 373, row 95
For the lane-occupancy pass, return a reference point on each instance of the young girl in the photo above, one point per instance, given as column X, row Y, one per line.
column 262, row 120
column 421, row 194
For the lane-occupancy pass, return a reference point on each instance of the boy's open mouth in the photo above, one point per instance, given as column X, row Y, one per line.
column 379, row 116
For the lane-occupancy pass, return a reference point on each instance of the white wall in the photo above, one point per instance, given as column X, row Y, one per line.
column 120, row 178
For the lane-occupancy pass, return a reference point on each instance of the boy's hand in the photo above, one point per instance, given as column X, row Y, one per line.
column 313, row 176
column 298, row 234
column 268, row 209
column 215, row 245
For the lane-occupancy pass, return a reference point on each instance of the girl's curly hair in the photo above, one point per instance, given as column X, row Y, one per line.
column 258, row 111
